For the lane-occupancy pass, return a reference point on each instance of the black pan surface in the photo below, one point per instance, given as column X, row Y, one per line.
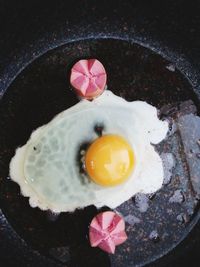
column 42, row 90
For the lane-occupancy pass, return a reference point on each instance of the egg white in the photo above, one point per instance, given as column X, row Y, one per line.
column 46, row 166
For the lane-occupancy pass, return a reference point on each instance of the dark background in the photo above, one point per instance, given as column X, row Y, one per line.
column 29, row 28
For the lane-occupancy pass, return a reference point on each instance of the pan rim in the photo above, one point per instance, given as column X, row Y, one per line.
column 196, row 218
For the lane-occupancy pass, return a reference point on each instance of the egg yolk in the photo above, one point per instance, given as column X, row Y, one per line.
column 109, row 160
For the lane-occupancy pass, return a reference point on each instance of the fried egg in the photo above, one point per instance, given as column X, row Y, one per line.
column 119, row 164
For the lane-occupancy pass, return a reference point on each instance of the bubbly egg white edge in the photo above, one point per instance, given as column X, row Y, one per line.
column 17, row 172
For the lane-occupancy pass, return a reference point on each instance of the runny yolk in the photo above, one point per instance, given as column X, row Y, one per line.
column 109, row 160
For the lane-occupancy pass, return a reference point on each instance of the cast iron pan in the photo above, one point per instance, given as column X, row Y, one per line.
column 145, row 59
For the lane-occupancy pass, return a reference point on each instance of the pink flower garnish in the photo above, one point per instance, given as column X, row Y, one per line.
column 107, row 230
column 88, row 77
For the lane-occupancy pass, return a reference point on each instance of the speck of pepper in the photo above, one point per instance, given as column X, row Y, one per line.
column 151, row 196
column 170, row 127
column 154, row 236
column 98, row 128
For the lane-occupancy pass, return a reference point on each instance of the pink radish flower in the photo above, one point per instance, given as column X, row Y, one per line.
column 88, row 77
column 107, row 230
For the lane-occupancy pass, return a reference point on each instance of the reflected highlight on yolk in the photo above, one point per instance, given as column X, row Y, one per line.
column 109, row 160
